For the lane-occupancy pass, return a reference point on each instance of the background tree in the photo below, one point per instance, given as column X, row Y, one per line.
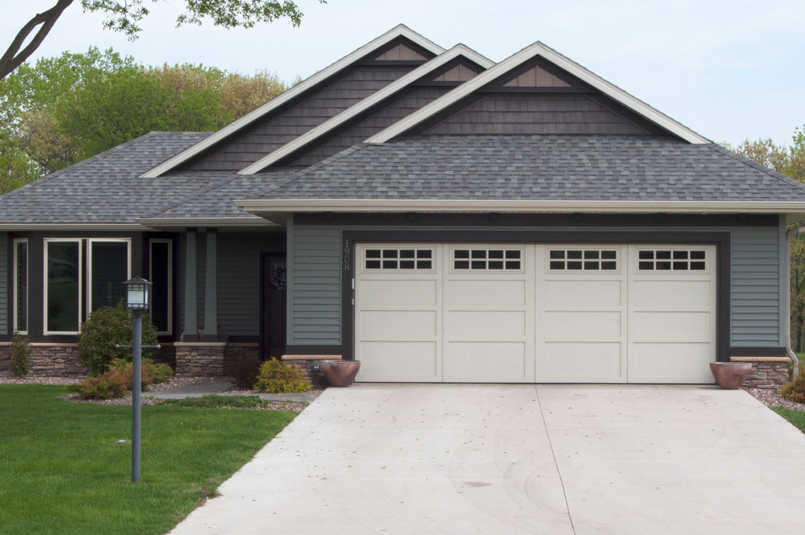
column 125, row 16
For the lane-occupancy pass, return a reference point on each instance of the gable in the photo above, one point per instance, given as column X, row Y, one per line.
column 402, row 52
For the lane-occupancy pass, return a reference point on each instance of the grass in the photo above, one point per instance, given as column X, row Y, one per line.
column 212, row 401
column 62, row 471
column 800, row 356
column 797, row 418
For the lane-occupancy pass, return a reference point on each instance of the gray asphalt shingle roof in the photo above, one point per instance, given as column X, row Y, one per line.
column 539, row 167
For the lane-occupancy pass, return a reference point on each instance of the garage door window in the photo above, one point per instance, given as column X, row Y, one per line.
column 487, row 259
column 674, row 260
column 398, row 259
column 583, row 260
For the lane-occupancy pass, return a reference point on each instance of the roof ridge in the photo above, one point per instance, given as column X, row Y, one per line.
column 755, row 165
column 82, row 163
column 259, row 193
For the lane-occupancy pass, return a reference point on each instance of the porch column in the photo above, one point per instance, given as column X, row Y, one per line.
column 190, row 325
column 211, row 288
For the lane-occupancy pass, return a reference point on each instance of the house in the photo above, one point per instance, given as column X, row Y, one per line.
column 438, row 216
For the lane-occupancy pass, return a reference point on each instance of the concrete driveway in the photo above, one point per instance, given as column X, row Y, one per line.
column 419, row 459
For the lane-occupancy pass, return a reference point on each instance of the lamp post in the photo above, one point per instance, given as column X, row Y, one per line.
column 137, row 296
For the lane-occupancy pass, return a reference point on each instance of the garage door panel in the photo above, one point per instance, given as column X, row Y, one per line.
column 583, row 362
column 671, row 327
column 574, row 293
column 399, row 361
column 486, row 292
column 583, row 327
column 398, row 325
column 485, row 325
column 487, row 362
column 670, row 295
column 398, row 292
column 670, row 363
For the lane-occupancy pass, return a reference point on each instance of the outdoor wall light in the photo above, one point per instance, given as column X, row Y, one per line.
column 137, row 293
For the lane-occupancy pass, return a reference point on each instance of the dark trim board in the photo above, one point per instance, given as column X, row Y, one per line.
column 758, row 352
column 720, row 239
column 314, row 350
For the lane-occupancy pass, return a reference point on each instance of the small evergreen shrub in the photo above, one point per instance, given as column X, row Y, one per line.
column 160, row 373
column 795, row 390
column 278, row 378
column 245, row 373
column 20, row 355
column 105, row 328
column 115, row 382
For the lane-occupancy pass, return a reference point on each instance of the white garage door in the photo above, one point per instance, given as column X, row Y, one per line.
column 535, row 313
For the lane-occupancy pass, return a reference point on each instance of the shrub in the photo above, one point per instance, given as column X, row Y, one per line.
column 160, row 373
column 105, row 328
column 245, row 373
column 113, row 383
column 278, row 378
column 20, row 355
column 795, row 390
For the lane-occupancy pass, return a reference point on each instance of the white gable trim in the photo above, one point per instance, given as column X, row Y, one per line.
column 399, row 31
column 539, row 49
column 365, row 104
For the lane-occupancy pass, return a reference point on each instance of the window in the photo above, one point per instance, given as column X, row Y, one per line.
column 398, row 259
column 487, row 259
column 107, row 264
column 161, row 276
column 671, row 260
column 583, row 260
column 21, row 286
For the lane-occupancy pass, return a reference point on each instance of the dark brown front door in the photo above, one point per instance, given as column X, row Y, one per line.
column 272, row 305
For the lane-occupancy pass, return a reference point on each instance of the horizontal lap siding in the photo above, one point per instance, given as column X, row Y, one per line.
column 5, row 267
column 316, row 308
column 755, row 301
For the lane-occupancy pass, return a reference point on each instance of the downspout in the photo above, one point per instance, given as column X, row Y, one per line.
column 788, row 350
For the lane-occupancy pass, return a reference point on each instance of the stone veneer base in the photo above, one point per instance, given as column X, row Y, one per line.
column 308, row 365
column 200, row 359
column 47, row 360
column 768, row 373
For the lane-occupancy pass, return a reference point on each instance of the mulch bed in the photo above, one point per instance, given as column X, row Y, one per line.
column 771, row 398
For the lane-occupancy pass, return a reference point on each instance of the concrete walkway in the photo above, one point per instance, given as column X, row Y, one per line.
column 511, row 459
column 220, row 386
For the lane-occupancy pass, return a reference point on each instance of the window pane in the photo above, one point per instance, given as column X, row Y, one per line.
column 407, row 264
column 557, row 265
column 62, row 291
column 610, row 265
column 109, row 265
column 160, row 291
column 478, row 264
column 478, row 254
column 646, row 255
column 574, row 254
column 574, row 265
column 462, row 254
column 609, row 255
column 591, row 255
column 462, row 264
column 21, row 314
column 407, row 253
column 423, row 253
column 373, row 264
column 496, row 264
column 423, row 264
column 557, row 254
column 373, row 253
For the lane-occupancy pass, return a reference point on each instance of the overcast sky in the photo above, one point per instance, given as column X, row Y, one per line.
column 729, row 70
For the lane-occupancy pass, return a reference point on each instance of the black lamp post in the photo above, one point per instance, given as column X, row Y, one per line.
column 137, row 297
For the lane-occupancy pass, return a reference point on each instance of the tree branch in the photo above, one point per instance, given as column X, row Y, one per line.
column 13, row 57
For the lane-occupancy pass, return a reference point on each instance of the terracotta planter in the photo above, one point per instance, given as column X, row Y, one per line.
column 730, row 375
column 340, row 372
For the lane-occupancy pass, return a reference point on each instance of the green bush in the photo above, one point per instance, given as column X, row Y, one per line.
column 105, row 328
column 278, row 378
column 156, row 373
column 20, row 355
column 160, row 373
column 795, row 390
column 114, row 382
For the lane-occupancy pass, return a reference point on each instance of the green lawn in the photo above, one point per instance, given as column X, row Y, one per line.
column 62, row 471
column 795, row 417
column 800, row 356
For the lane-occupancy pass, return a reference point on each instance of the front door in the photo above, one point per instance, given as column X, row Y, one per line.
column 272, row 305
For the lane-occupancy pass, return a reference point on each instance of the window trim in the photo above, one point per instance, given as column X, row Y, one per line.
column 15, row 296
column 486, row 247
column 708, row 260
column 90, row 242
column 169, row 242
column 46, row 241
column 618, row 249
column 398, row 247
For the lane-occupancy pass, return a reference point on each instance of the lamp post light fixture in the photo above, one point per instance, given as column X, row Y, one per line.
column 137, row 297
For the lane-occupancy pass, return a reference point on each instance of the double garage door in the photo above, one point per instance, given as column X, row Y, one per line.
column 525, row 313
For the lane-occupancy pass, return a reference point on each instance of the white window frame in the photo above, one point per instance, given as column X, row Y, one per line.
column 79, row 241
column 398, row 247
column 169, row 242
column 90, row 243
column 619, row 258
column 709, row 258
column 15, row 297
column 487, row 247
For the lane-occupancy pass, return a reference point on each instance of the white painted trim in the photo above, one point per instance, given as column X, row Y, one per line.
column 78, row 241
column 72, row 227
column 398, row 31
column 154, row 222
column 365, row 104
column 15, row 297
column 258, row 206
column 539, row 49
column 90, row 243
column 169, row 243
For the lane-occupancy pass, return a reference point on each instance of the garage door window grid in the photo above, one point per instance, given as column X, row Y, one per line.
column 398, row 259
column 673, row 260
column 487, row 259
column 583, row 260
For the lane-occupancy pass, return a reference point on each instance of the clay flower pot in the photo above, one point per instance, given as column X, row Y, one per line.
column 340, row 372
column 730, row 375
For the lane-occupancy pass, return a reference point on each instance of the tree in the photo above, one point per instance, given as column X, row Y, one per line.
column 125, row 15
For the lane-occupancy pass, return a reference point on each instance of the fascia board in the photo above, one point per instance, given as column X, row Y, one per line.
column 534, row 50
column 176, row 222
column 257, row 206
column 365, row 104
column 231, row 128
column 93, row 227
